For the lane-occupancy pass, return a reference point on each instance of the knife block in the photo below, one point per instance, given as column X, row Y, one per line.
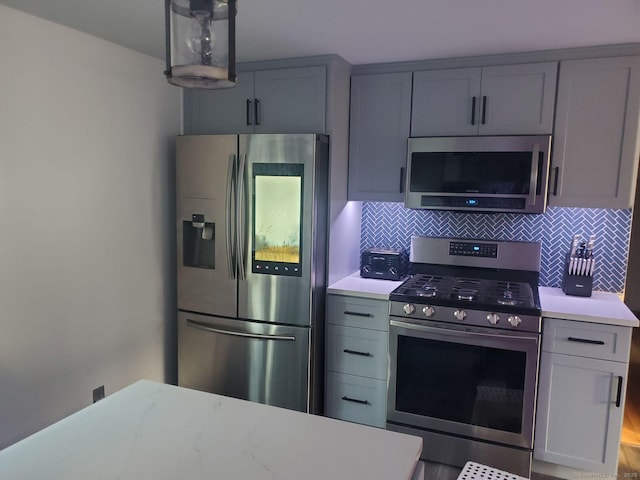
column 576, row 285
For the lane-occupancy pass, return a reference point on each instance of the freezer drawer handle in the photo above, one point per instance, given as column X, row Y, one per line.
column 355, row 400
column 355, row 352
column 207, row 328
column 358, row 314
column 585, row 340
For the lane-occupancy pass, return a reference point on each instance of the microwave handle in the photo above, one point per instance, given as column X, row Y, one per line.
column 533, row 182
column 402, row 179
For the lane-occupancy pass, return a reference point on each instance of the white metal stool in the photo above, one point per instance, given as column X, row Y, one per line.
column 477, row 471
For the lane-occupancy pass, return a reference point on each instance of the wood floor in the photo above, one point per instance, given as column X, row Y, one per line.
column 629, row 458
column 631, row 424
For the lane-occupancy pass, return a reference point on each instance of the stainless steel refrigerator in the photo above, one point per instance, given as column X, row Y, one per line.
column 252, row 240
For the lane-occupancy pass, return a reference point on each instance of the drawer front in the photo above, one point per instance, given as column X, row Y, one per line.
column 356, row 399
column 357, row 351
column 593, row 340
column 358, row 312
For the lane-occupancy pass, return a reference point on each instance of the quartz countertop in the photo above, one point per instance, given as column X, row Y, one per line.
column 601, row 307
column 357, row 286
column 154, row 431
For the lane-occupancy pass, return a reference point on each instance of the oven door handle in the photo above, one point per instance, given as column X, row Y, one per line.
column 449, row 332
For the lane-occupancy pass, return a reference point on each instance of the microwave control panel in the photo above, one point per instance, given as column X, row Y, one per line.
column 473, row 249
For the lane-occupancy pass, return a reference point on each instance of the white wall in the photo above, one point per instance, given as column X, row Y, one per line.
column 86, row 221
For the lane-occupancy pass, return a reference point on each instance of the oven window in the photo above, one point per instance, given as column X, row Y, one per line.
column 468, row 384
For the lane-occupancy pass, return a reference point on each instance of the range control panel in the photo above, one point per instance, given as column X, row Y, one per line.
column 473, row 249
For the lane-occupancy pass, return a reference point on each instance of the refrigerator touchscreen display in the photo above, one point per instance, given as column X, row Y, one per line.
column 277, row 219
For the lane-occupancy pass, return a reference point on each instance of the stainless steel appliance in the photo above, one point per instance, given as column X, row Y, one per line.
column 464, row 343
column 251, row 240
column 496, row 174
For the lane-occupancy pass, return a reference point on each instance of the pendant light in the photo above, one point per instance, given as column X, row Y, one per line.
column 200, row 42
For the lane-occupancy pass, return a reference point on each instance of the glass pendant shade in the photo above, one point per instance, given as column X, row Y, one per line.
column 200, row 36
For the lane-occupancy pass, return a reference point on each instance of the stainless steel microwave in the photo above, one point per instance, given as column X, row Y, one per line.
column 485, row 174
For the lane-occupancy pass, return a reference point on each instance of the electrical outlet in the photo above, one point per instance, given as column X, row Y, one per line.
column 98, row 393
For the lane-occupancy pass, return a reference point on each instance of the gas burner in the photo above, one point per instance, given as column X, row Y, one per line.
column 427, row 291
column 464, row 294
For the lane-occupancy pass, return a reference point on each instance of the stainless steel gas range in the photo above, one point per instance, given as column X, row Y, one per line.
column 464, row 343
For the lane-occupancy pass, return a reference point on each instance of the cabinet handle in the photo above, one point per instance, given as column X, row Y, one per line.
column 585, row 340
column 473, row 110
column 401, row 179
column 619, row 394
column 355, row 352
column 355, row 400
column 256, row 114
column 555, row 182
column 484, row 109
column 248, row 112
column 357, row 314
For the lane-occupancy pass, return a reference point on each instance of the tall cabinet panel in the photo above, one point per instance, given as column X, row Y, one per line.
column 596, row 142
column 445, row 102
column 379, row 128
column 518, row 99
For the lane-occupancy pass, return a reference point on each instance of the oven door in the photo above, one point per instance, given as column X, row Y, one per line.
column 473, row 382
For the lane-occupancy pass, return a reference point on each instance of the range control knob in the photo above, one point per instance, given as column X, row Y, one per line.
column 460, row 314
column 393, row 270
column 493, row 318
column 514, row 320
column 409, row 309
column 428, row 311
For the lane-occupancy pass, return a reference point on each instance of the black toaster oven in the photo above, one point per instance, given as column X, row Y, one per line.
column 382, row 263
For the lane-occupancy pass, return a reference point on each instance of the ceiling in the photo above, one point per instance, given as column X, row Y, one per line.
column 367, row 31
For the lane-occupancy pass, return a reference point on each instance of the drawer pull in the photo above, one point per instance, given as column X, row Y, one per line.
column 585, row 340
column 619, row 394
column 355, row 400
column 357, row 314
column 355, row 352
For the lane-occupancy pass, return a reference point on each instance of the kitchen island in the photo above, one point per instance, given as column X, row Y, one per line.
column 155, row 431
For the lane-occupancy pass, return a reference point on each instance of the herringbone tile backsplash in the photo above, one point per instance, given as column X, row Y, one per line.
column 390, row 225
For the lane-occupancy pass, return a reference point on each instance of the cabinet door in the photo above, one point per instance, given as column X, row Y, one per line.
column 518, row 99
column 379, row 128
column 445, row 102
column 222, row 111
column 596, row 135
column 291, row 100
column 578, row 423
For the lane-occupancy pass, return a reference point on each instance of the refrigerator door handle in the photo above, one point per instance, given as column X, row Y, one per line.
column 231, row 247
column 240, row 217
column 207, row 328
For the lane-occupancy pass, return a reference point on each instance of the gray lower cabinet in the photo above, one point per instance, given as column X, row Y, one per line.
column 498, row 100
column 356, row 359
column 582, row 384
column 596, row 142
column 287, row 100
column 379, row 128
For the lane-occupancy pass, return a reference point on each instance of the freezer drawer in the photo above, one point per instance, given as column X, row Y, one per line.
column 265, row 363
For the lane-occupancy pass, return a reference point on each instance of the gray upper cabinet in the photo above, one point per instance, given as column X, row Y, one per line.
column 379, row 128
column 596, row 144
column 288, row 100
column 502, row 100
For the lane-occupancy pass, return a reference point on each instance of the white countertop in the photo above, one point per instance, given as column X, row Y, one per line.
column 601, row 307
column 155, row 431
column 357, row 286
